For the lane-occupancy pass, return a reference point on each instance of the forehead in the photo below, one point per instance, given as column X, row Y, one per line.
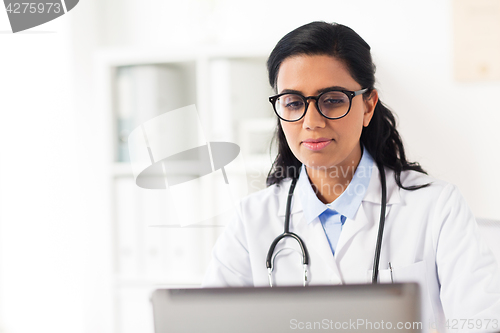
column 311, row 73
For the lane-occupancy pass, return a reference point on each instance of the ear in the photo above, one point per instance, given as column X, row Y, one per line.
column 370, row 104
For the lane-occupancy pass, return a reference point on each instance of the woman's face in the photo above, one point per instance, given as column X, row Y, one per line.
column 339, row 144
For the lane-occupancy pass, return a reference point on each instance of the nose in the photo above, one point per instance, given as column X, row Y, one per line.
column 313, row 118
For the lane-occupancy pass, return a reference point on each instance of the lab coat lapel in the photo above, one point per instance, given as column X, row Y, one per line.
column 318, row 247
column 368, row 213
column 313, row 233
column 314, row 238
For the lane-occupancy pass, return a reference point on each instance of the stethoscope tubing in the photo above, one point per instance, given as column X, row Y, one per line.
column 287, row 233
column 381, row 224
column 305, row 254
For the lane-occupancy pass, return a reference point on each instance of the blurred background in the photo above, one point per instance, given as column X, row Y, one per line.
column 81, row 247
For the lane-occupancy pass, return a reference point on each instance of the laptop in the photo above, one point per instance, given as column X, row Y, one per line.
column 345, row 308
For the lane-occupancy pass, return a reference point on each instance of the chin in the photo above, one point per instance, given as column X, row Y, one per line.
column 318, row 164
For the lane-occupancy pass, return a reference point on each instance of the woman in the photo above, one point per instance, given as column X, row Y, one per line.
column 338, row 141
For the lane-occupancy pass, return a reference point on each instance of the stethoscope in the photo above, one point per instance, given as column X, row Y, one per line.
column 305, row 254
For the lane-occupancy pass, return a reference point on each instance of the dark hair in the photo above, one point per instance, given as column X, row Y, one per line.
column 380, row 137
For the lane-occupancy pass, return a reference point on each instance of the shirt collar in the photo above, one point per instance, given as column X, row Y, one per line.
column 348, row 202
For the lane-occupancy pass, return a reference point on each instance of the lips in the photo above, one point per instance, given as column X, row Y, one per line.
column 316, row 144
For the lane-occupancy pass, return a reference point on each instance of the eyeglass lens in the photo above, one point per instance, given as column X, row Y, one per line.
column 333, row 104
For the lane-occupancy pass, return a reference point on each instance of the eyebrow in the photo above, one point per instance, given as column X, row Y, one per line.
column 292, row 91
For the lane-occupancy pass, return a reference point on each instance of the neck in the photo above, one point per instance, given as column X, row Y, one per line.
column 330, row 183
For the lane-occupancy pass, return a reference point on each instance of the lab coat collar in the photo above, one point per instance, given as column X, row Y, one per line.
column 347, row 204
column 312, row 206
column 373, row 193
column 284, row 187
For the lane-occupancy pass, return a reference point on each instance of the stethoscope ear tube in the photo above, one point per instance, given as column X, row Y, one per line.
column 303, row 249
column 287, row 233
column 376, row 259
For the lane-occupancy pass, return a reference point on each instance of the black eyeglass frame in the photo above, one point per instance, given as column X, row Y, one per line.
column 350, row 95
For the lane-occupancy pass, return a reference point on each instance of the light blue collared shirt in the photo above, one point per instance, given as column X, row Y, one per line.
column 334, row 214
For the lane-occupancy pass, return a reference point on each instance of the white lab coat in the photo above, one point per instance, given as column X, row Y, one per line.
column 430, row 237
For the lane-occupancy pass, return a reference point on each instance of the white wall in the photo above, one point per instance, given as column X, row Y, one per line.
column 41, row 247
column 53, row 212
column 448, row 126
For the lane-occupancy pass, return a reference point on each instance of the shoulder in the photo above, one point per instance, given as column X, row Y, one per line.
column 440, row 197
column 418, row 198
column 440, row 210
column 413, row 178
column 436, row 186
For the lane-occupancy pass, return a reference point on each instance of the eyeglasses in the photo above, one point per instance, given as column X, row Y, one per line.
column 331, row 104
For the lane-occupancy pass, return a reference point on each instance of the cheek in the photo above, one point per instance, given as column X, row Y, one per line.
column 286, row 130
column 354, row 125
column 291, row 134
column 354, row 128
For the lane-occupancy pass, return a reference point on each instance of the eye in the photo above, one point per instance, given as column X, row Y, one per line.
column 294, row 105
column 334, row 99
column 292, row 102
